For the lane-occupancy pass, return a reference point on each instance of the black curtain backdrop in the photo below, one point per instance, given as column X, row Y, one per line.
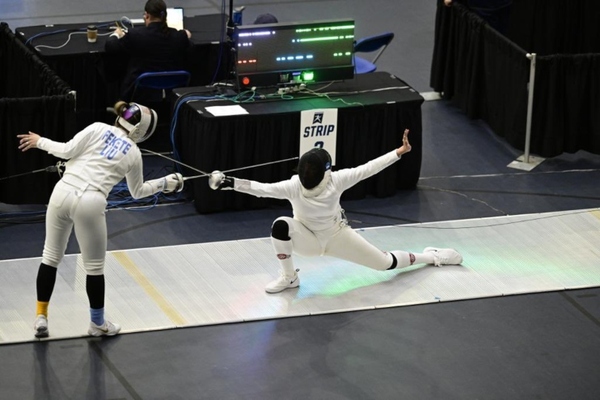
column 567, row 108
column 23, row 73
column 86, row 74
column 226, row 143
column 503, row 96
column 548, row 27
column 486, row 74
column 32, row 98
column 458, row 55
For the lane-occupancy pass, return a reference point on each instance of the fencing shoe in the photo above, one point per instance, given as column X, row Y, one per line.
column 41, row 326
column 106, row 329
column 444, row 256
column 283, row 282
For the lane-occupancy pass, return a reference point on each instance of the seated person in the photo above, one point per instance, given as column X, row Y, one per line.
column 153, row 47
column 265, row 19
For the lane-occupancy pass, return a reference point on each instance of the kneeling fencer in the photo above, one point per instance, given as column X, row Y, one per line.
column 99, row 157
column 319, row 226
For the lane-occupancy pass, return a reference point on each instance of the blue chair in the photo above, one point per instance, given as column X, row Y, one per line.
column 151, row 90
column 159, row 82
column 371, row 44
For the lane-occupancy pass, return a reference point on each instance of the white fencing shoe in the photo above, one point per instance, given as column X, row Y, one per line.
column 283, row 282
column 41, row 326
column 444, row 256
column 106, row 329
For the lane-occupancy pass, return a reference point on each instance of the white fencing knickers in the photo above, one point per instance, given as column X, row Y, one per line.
column 341, row 242
column 83, row 209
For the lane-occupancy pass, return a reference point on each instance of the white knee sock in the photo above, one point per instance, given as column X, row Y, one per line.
column 406, row 259
column 283, row 250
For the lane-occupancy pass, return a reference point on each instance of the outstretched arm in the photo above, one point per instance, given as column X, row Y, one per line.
column 348, row 177
column 140, row 188
column 67, row 150
column 278, row 190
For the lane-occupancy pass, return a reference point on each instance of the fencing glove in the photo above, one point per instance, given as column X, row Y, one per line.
column 173, row 183
column 218, row 181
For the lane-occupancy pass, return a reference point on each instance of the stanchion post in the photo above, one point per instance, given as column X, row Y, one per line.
column 531, row 86
column 528, row 162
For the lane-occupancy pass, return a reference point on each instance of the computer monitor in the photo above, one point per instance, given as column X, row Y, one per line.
column 282, row 54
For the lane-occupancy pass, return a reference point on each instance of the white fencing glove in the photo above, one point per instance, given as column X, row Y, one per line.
column 218, row 181
column 173, row 183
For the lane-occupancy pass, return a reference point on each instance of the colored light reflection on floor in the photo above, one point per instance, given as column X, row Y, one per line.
column 341, row 286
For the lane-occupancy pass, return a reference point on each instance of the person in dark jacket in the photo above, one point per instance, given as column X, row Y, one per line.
column 153, row 47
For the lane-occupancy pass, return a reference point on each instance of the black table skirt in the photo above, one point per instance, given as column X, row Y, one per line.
column 270, row 133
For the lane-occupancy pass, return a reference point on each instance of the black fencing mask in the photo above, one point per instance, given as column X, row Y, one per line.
column 312, row 167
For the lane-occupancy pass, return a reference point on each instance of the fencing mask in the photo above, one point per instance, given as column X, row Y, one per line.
column 312, row 167
column 138, row 120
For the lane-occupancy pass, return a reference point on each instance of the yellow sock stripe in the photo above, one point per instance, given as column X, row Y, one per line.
column 42, row 308
column 152, row 291
column 596, row 214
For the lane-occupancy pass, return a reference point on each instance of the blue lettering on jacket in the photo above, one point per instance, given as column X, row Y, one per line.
column 113, row 145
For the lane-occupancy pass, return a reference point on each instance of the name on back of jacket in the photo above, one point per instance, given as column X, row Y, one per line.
column 113, row 145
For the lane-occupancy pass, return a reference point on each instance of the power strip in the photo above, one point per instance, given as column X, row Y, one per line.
column 291, row 89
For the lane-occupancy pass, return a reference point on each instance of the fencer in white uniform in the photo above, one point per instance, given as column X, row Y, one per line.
column 99, row 157
column 319, row 226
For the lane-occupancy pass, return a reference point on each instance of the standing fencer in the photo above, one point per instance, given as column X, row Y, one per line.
column 319, row 226
column 99, row 157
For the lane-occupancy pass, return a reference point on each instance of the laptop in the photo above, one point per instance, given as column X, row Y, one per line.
column 174, row 18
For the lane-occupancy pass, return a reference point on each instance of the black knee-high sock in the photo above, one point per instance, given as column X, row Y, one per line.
column 94, row 286
column 46, row 278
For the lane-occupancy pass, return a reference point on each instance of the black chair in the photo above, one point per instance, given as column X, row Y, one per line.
column 371, row 44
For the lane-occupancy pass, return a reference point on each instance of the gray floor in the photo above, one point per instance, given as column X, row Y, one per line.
column 519, row 347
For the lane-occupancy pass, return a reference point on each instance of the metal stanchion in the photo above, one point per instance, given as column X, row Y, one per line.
column 528, row 162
